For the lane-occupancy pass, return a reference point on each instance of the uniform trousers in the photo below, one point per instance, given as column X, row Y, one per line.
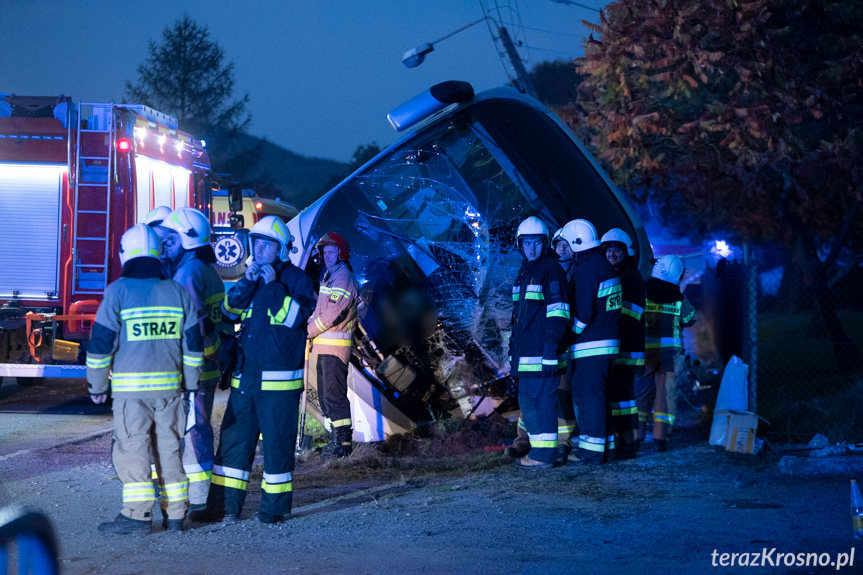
column 590, row 380
column 274, row 416
column 537, row 398
column 145, row 428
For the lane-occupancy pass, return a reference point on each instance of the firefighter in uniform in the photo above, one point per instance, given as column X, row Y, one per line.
column 145, row 339
column 191, row 256
column 620, row 253
column 273, row 300
column 667, row 311
column 154, row 219
column 565, row 414
column 596, row 313
column 330, row 330
column 540, row 317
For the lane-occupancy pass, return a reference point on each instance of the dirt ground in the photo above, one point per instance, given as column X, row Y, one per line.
column 446, row 505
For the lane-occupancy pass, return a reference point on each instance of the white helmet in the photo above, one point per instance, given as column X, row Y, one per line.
column 580, row 234
column 668, row 269
column 557, row 237
column 532, row 226
column 619, row 236
column 139, row 241
column 192, row 225
column 273, row 228
column 157, row 215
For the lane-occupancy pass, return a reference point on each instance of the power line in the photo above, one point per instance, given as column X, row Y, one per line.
column 553, row 51
column 552, row 32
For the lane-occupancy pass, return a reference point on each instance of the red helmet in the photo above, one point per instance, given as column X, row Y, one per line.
column 334, row 239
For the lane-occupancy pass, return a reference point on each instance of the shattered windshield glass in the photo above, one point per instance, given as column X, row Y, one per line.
column 432, row 231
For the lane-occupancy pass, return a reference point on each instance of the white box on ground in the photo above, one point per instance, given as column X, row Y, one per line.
column 740, row 428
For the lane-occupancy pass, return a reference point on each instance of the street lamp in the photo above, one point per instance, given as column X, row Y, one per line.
column 414, row 57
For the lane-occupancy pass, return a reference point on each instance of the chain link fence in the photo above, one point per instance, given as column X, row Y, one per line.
column 800, row 329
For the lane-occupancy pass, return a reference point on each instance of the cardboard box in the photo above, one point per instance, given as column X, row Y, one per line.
column 740, row 431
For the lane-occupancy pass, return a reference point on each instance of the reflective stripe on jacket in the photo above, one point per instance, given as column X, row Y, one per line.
column 146, row 337
column 597, row 303
column 273, row 337
column 666, row 312
column 332, row 324
column 631, row 315
column 203, row 283
column 540, row 317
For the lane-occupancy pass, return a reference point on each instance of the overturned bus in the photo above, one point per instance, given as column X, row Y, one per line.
column 431, row 221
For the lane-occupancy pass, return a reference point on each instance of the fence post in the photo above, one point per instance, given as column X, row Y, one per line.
column 752, row 321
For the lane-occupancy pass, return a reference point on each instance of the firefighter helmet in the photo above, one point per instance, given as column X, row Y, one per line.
column 621, row 237
column 274, row 229
column 334, row 239
column 581, row 235
column 532, row 226
column 557, row 237
column 192, row 226
column 157, row 215
column 668, row 269
column 139, row 241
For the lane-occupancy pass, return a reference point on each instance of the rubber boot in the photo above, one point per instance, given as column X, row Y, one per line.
column 210, row 515
column 198, row 495
column 343, row 442
column 561, row 454
column 122, row 525
column 328, row 449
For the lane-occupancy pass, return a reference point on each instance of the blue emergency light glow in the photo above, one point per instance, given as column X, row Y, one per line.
column 429, row 103
column 720, row 249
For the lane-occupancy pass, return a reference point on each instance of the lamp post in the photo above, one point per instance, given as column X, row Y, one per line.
column 415, row 56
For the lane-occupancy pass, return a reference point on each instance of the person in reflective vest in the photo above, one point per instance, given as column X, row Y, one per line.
column 566, row 424
column 154, row 219
column 667, row 311
column 539, row 320
column 620, row 253
column 146, row 348
column 191, row 257
column 330, row 330
column 596, row 324
column 273, row 301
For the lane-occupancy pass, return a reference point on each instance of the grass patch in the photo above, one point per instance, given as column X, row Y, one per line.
column 798, row 375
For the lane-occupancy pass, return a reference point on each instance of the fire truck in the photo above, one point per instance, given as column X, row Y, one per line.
column 73, row 178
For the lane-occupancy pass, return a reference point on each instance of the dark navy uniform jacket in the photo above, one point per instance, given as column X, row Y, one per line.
column 540, row 317
column 273, row 337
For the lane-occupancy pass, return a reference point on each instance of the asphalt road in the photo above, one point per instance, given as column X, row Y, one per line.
column 443, row 510
column 52, row 413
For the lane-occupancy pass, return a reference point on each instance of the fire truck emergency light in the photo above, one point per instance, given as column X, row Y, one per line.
column 123, row 145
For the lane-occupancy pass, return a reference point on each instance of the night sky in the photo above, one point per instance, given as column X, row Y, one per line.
column 321, row 75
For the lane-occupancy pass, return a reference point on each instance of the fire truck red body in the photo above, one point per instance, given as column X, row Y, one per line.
column 73, row 178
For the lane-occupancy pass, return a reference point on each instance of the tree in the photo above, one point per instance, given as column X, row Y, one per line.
column 363, row 154
column 185, row 75
column 555, row 82
column 731, row 116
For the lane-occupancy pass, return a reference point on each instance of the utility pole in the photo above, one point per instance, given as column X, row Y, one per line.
column 414, row 57
column 526, row 85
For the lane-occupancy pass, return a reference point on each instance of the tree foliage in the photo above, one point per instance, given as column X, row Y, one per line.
column 185, row 75
column 555, row 82
column 730, row 115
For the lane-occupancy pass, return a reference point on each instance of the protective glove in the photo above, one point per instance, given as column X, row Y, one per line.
column 550, row 365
